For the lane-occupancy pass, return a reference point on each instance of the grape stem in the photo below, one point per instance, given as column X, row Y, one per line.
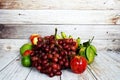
column 55, row 32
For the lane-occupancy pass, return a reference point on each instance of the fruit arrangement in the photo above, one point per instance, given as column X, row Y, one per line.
column 51, row 54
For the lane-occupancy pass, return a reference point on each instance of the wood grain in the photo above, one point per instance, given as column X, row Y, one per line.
column 14, row 71
column 101, row 32
column 69, row 75
column 9, row 50
column 60, row 17
column 105, row 67
column 60, row 4
column 35, row 75
column 10, row 60
column 104, row 34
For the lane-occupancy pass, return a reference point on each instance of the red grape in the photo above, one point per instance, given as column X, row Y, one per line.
column 50, row 55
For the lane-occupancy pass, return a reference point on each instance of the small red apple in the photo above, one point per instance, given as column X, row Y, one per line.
column 34, row 38
column 78, row 64
column 27, row 52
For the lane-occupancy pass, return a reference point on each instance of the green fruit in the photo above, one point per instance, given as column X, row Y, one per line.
column 63, row 35
column 57, row 36
column 90, row 55
column 78, row 40
column 26, row 61
column 70, row 36
column 94, row 49
column 82, row 51
column 27, row 46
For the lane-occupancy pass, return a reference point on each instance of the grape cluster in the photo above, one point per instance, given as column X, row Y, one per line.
column 51, row 55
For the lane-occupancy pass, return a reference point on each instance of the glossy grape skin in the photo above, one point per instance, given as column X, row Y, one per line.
column 50, row 56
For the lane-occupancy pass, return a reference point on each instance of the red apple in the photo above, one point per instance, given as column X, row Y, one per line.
column 27, row 52
column 34, row 38
column 78, row 64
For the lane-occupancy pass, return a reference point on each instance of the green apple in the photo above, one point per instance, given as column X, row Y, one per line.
column 27, row 46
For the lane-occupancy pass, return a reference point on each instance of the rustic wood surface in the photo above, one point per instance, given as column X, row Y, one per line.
column 105, row 67
column 60, row 4
column 104, row 34
column 101, row 32
column 59, row 16
column 83, row 18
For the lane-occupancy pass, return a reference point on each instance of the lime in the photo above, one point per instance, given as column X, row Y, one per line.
column 27, row 46
column 94, row 49
column 26, row 61
column 90, row 55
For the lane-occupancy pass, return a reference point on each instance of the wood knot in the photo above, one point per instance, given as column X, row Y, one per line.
column 1, row 27
column 7, row 48
column 115, row 19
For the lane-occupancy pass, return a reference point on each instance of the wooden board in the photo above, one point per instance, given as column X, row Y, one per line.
column 9, row 51
column 14, row 70
column 60, row 4
column 100, row 32
column 105, row 67
column 104, row 34
column 84, row 18
column 60, row 17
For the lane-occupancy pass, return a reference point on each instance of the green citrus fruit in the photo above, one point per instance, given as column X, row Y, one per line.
column 27, row 46
column 90, row 55
column 26, row 61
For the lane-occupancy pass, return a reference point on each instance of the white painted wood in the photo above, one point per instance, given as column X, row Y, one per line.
column 60, row 4
column 60, row 17
column 35, row 75
column 100, row 32
column 69, row 75
column 105, row 67
column 14, row 71
column 101, row 45
column 9, row 50
column 115, row 58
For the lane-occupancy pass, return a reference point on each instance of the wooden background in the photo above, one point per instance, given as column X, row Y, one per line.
column 83, row 18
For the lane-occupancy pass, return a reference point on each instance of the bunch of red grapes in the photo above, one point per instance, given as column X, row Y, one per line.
column 51, row 55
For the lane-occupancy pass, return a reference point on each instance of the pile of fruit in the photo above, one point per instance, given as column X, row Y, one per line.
column 51, row 54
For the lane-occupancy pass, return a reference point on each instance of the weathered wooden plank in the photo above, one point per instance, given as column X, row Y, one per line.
column 69, row 75
column 101, row 32
column 60, row 4
column 10, row 47
column 9, row 50
column 60, row 17
column 10, row 66
column 14, row 71
column 35, row 75
column 105, row 67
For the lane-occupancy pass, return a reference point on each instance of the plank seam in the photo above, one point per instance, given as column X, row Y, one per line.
column 28, row 73
column 92, row 73
column 60, row 77
column 9, row 63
